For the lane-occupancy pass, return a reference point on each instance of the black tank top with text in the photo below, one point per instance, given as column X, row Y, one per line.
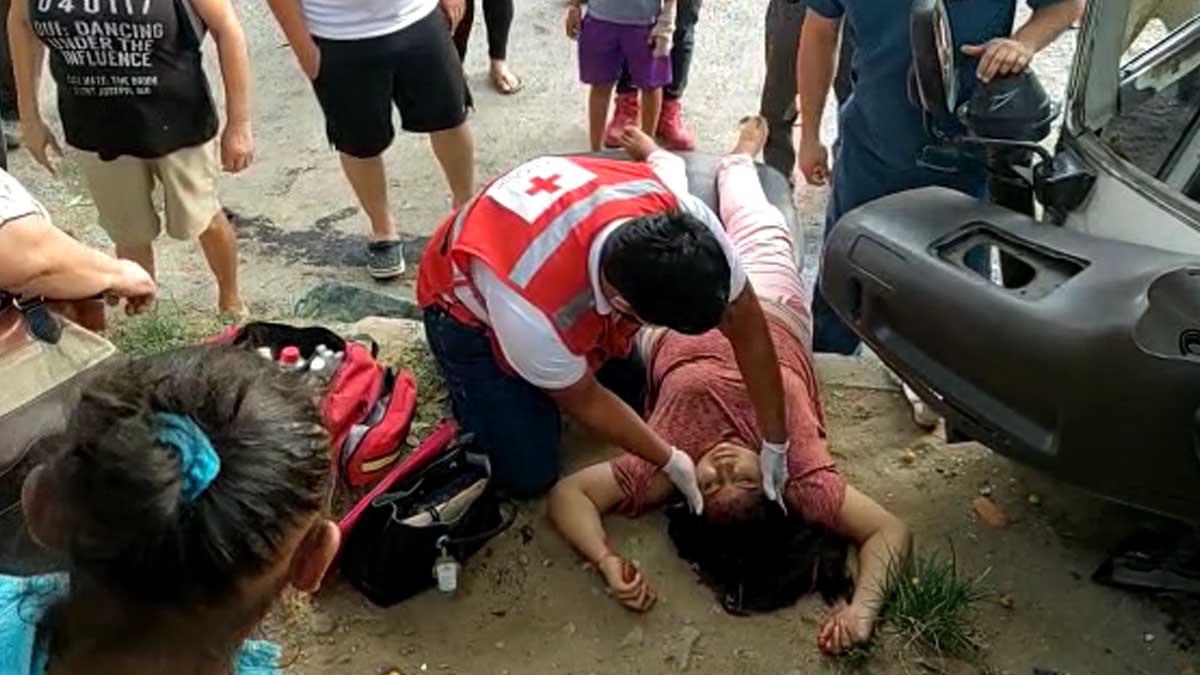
column 129, row 74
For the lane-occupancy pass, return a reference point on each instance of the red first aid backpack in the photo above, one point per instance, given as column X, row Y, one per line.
column 366, row 406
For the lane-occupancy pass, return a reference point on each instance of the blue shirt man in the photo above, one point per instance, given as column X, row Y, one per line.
column 882, row 137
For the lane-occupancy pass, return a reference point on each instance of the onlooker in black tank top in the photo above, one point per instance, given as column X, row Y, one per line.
column 134, row 100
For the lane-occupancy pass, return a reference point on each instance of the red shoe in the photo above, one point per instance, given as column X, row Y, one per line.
column 628, row 112
column 671, row 129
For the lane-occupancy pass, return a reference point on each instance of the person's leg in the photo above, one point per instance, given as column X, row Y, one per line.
column 428, row 89
column 652, row 100
column 783, row 23
column 368, row 179
column 498, row 14
column 355, row 91
column 843, row 81
column 830, row 333
column 219, row 243
column 455, row 151
column 122, row 190
column 758, row 230
column 599, row 96
column 683, row 47
column 193, row 212
column 517, row 423
column 462, row 32
column 8, row 86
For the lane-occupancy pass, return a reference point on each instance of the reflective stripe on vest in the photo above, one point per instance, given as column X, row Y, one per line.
column 548, row 240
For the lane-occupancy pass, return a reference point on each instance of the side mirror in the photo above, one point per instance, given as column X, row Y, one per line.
column 1013, row 108
column 934, row 70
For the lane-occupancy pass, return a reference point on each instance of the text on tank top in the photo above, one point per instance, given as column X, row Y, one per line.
column 129, row 74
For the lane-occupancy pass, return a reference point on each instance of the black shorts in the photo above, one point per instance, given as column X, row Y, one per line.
column 416, row 68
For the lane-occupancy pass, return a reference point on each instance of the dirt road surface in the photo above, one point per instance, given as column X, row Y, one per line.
column 527, row 606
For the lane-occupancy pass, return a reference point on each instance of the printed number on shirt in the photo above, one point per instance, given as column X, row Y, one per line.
column 129, row 7
column 531, row 188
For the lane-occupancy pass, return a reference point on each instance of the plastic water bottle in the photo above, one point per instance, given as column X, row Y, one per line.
column 289, row 358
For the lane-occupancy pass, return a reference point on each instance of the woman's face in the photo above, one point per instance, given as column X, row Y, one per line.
column 729, row 473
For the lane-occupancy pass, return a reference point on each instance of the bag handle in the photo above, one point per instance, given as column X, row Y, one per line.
column 508, row 506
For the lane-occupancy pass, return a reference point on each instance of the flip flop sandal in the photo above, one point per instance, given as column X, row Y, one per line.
column 498, row 83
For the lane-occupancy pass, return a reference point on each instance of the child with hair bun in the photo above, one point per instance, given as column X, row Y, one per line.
column 188, row 490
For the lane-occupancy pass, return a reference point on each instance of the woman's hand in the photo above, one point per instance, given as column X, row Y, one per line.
column 1000, row 57
column 454, row 11
column 847, row 627
column 237, row 147
column 627, row 583
column 574, row 21
column 135, row 286
column 39, row 140
column 813, row 160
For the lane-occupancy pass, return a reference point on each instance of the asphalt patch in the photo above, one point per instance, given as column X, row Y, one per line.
column 322, row 245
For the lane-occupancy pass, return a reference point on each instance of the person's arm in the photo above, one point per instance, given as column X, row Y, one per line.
column 671, row 170
column 607, row 415
column 237, row 142
column 576, row 507
column 290, row 17
column 38, row 259
column 816, row 62
column 745, row 326
column 28, row 59
column 884, row 543
column 1011, row 55
column 662, row 35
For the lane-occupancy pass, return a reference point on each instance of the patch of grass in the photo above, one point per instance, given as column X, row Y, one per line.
column 931, row 605
column 166, row 327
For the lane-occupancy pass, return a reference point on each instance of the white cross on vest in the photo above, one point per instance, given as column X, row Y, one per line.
column 531, row 188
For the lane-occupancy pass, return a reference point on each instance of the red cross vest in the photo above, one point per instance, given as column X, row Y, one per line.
column 533, row 227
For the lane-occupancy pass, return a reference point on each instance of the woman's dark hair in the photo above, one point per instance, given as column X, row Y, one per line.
column 130, row 530
column 671, row 270
column 764, row 562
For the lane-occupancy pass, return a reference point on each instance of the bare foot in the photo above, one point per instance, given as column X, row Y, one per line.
column 504, row 79
column 847, row 627
column 233, row 312
column 638, row 143
column 752, row 136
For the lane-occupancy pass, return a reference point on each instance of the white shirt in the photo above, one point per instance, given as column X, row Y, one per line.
column 363, row 19
column 529, row 341
column 15, row 200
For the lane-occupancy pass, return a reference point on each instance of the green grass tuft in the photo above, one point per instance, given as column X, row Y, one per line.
column 931, row 605
column 165, row 327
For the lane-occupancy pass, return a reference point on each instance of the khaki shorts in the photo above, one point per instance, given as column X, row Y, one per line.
column 123, row 191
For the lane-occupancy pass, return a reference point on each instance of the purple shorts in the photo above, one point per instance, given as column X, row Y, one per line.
column 604, row 46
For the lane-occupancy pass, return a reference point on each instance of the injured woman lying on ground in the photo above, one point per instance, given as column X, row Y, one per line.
column 756, row 555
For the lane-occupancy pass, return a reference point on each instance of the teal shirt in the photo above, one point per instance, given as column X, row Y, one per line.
column 881, row 130
column 24, row 602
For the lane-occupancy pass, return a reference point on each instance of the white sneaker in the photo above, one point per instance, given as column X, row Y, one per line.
column 923, row 416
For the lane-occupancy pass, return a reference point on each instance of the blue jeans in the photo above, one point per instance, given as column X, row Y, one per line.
column 518, row 424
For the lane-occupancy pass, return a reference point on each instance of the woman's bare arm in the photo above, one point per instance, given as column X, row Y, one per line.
column 884, row 543
column 577, row 506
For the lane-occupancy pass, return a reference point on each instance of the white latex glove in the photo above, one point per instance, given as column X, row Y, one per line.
column 682, row 472
column 773, row 461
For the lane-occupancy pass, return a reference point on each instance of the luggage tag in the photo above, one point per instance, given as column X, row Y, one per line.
column 446, row 568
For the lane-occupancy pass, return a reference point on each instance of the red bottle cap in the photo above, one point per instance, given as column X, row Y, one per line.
column 289, row 356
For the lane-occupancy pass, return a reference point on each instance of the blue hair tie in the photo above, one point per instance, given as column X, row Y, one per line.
column 198, row 461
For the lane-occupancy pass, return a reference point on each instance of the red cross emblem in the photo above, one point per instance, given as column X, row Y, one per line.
column 548, row 185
